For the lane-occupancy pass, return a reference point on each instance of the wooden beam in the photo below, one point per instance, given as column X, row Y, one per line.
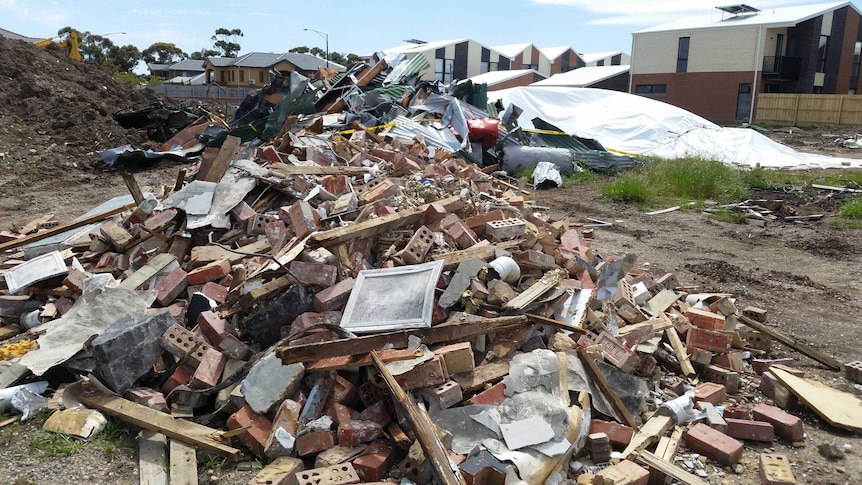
column 152, row 458
column 649, row 433
column 489, row 373
column 556, row 323
column 214, row 171
column 792, row 343
column 531, row 294
column 285, row 170
column 188, row 432
column 184, row 464
column 451, row 260
column 446, row 332
column 23, row 241
column 422, row 427
column 361, row 360
column 680, row 352
column 379, row 225
column 133, row 187
column 669, row 469
column 152, row 268
column 605, row 386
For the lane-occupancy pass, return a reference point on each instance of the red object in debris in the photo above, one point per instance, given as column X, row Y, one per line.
column 484, row 131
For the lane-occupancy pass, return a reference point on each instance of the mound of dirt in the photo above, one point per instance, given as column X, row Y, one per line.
column 57, row 112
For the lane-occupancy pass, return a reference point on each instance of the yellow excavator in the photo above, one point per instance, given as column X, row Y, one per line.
column 70, row 43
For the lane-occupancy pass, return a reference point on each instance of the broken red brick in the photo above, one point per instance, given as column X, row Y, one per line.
column 714, row 444
column 334, row 297
column 353, row 433
column 257, row 429
column 210, row 272
column 750, row 430
column 787, row 426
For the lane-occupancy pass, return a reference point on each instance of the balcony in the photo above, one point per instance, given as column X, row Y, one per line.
column 784, row 68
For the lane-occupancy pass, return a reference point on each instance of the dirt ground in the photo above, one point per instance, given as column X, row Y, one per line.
column 806, row 275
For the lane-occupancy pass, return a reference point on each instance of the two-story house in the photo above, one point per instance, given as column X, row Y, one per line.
column 250, row 70
column 453, row 59
column 714, row 65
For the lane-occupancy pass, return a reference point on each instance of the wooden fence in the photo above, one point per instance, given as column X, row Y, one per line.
column 809, row 109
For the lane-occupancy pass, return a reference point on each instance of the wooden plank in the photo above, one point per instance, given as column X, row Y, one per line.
column 184, row 464
column 202, row 255
column 23, row 241
column 194, row 434
column 605, row 386
column 379, row 225
column 650, row 432
column 453, row 259
column 422, row 427
column 152, row 458
column 215, row 171
column 680, row 352
column 489, row 373
column 669, row 469
column 9, row 331
column 838, row 408
column 152, row 268
column 361, row 360
column 461, row 329
column 666, row 450
column 792, row 343
column 285, row 170
column 133, row 187
column 531, row 294
column 556, row 323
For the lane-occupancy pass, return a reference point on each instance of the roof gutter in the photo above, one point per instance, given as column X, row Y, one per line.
column 756, row 72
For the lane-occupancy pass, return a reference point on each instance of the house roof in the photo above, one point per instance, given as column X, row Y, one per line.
column 773, row 17
column 197, row 79
column 554, row 52
column 305, row 62
column 583, row 77
column 12, row 35
column 497, row 77
column 595, row 56
column 152, row 66
column 411, row 47
column 188, row 65
column 511, row 50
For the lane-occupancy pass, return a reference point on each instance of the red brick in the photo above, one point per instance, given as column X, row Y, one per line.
column 627, row 472
column 147, row 397
column 599, row 446
column 208, row 373
column 303, row 218
column 75, row 280
column 535, row 259
column 416, row 249
column 620, row 435
column 210, row 272
column 314, row 274
column 710, row 340
column 234, row 348
column 445, row 395
column 705, row 319
column 457, row 358
column 342, row 391
column 310, row 319
column 505, row 229
column 433, row 215
column 377, row 412
column 426, row 374
column 180, row 341
column 341, row 414
column 271, row 154
column 616, row 353
column 491, row 396
column 63, row 305
column 776, row 391
column 376, row 460
column 787, row 426
column 736, row 413
column 728, row 378
column 762, row 365
column 334, row 297
column 715, row 445
column 376, row 189
column 215, row 291
column 160, row 220
column 745, row 429
column 335, row 184
column 243, row 212
column 215, row 327
column 315, row 442
column 731, row 360
column 477, row 222
column 353, row 433
column 710, row 392
column 340, row 474
column 775, row 470
column 258, row 428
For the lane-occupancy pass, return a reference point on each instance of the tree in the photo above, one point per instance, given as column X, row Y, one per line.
column 125, row 58
column 300, row 50
column 102, row 51
column 224, row 41
column 163, row 53
column 203, row 54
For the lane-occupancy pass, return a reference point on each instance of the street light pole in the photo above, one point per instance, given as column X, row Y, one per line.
column 325, row 38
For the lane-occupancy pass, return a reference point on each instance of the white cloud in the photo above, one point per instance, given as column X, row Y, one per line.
column 650, row 12
column 42, row 16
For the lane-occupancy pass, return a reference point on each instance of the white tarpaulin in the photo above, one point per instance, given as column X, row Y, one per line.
column 641, row 126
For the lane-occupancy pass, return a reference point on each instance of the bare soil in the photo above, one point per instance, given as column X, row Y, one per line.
column 56, row 115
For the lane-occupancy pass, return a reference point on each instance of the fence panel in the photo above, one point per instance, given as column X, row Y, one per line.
column 209, row 93
column 809, row 109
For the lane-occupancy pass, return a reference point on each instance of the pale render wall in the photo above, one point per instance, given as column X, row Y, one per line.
column 474, row 59
column 713, row 50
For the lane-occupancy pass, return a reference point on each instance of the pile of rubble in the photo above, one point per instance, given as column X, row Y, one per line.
column 354, row 304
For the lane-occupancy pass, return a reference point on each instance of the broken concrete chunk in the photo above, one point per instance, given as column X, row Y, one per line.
column 127, row 350
column 269, row 382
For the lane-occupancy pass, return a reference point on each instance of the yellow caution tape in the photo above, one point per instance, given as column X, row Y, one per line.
column 387, row 125
column 11, row 351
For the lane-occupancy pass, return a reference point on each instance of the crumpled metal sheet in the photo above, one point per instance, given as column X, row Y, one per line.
column 546, row 172
column 134, row 156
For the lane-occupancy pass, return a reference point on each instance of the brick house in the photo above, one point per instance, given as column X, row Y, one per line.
column 250, row 70
column 562, row 59
column 453, row 59
column 525, row 56
column 715, row 65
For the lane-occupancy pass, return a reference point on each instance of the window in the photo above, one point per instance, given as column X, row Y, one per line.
column 651, row 89
column 857, row 51
column 241, row 75
column 443, row 69
column 260, row 76
column 821, row 53
column 222, row 76
column 484, row 67
column 600, row 63
column 682, row 55
column 534, row 67
column 743, row 102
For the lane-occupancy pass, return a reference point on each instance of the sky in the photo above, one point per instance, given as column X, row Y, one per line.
column 588, row 26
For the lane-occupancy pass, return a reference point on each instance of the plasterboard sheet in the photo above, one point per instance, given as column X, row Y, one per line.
column 37, row 269
column 392, row 298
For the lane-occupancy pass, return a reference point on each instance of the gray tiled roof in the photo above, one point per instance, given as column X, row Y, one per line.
column 188, row 65
column 304, row 62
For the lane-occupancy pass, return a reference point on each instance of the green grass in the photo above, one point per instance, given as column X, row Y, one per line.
column 112, row 441
column 46, row 445
column 629, row 188
column 732, row 217
column 851, row 209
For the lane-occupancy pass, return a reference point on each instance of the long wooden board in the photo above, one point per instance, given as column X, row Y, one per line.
column 606, row 388
column 792, row 343
column 188, row 432
column 446, row 332
column 184, row 464
column 152, row 458
column 285, row 170
column 669, row 469
column 15, row 243
column 838, row 408
column 152, row 268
